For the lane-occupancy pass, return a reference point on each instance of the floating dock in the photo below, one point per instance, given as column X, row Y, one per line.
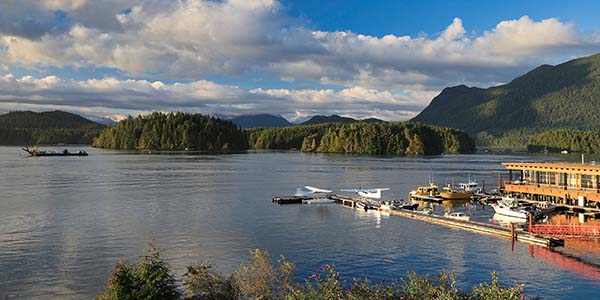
column 477, row 227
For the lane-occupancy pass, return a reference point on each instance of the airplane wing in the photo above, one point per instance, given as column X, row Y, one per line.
column 317, row 190
column 350, row 190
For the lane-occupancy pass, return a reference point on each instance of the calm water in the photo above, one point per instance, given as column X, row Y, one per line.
column 65, row 221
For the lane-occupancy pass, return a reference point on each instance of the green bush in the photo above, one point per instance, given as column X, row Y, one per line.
column 261, row 280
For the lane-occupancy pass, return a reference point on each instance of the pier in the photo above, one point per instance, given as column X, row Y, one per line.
column 477, row 227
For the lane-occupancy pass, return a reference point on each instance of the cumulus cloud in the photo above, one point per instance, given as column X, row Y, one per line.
column 113, row 95
column 189, row 40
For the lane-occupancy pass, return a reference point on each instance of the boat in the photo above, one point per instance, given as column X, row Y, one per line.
column 363, row 206
column 545, row 206
column 457, row 216
column 396, row 205
column 451, row 193
column 507, row 220
column 509, row 207
column 429, row 190
column 319, row 201
column 470, row 187
column 425, row 211
column 36, row 152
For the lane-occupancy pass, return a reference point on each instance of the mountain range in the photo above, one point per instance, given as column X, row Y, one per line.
column 270, row 121
column 548, row 97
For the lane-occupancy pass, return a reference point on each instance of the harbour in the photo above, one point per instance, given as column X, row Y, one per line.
column 472, row 226
column 219, row 208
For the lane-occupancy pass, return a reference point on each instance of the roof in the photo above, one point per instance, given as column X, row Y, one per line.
column 561, row 167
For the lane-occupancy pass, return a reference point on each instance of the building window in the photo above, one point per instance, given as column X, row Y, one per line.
column 587, row 181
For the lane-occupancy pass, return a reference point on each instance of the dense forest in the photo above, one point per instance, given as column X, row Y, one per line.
column 173, row 131
column 565, row 139
column 52, row 127
column 363, row 138
column 546, row 98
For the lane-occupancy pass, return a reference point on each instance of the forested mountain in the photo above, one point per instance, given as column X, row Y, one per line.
column 52, row 127
column 173, row 131
column 45, row 120
column 548, row 97
column 260, row 121
column 363, row 138
column 336, row 119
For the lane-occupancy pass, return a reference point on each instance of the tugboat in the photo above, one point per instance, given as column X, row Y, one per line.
column 36, row 152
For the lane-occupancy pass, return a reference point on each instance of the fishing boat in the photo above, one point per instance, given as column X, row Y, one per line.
column 429, row 190
column 451, row 193
column 509, row 207
column 36, row 152
column 470, row 187
column 458, row 216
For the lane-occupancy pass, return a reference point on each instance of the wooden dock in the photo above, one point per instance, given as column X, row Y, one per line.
column 292, row 199
column 477, row 227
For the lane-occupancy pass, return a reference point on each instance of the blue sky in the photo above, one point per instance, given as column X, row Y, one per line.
column 414, row 17
column 384, row 59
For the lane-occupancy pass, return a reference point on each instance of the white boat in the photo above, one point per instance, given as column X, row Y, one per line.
column 319, row 201
column 470, row 187
column 396, row 204
column 363, row 206
column 507, row 220
column 509, row 207
column 457, row 216
column 545, row 206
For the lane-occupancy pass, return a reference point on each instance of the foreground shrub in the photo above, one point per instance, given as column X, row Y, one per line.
column 150, row 279
column 261, row 280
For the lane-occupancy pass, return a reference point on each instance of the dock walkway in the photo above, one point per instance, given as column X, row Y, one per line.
column 477, row 227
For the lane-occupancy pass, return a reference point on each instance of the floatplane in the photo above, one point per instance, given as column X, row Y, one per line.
column 375, row 195
column 319, row 195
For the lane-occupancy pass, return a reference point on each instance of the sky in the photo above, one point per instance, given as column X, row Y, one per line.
column 382, row 59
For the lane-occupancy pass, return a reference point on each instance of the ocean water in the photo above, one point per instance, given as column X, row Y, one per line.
column 65, row 221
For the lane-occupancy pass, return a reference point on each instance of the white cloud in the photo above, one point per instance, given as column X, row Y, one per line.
column 108, row 96
column 192, row 39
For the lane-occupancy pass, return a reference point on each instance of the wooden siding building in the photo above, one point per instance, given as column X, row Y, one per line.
column 566, row 183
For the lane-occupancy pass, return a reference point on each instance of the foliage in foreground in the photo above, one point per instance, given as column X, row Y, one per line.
column 150, row 279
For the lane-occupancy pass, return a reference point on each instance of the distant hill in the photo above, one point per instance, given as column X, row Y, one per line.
column 548, row 97
column 45, row 120
column 336, row 119
column 260, row 121
column 51, row 127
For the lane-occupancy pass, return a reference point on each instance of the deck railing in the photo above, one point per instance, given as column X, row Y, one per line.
column 551, row 186
column 566, row 230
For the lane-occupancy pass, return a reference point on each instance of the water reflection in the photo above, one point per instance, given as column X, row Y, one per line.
column 64, row 221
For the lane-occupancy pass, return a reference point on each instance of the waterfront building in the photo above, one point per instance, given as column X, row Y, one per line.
column 566, row 183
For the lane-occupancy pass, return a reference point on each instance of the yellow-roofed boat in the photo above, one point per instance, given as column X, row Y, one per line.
column 451, row 193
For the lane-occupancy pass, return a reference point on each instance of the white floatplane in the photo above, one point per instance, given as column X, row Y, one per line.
column 310, row 190
column 367, row 193
column 316, row 192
